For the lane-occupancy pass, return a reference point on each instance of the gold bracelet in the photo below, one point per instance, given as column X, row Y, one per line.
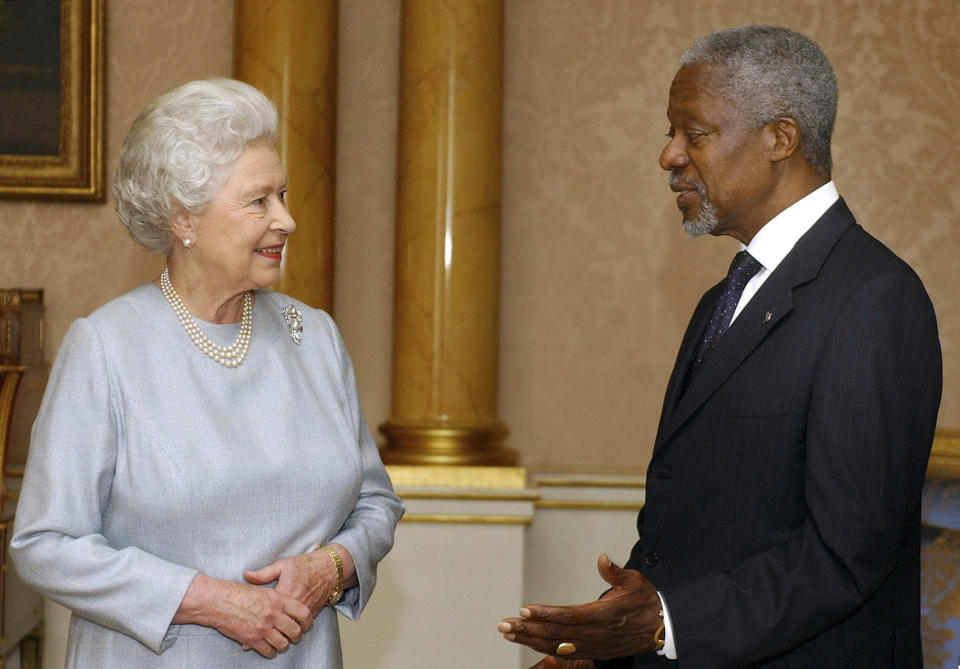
column 335, row 556
column 659, row 637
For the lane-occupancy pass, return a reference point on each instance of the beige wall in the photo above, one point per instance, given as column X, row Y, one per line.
column 597, row 278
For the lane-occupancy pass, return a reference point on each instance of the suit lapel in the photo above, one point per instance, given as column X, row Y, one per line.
column 772, row 304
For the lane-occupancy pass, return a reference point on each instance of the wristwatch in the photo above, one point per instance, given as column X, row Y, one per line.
column 660, row 636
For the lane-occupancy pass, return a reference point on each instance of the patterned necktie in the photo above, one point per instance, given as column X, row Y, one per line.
column 742, row 269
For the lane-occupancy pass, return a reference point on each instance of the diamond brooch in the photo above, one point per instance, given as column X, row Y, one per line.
column 294, row 321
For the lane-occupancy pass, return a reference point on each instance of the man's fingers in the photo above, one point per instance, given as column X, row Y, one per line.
column 580, row 614
column 540, row 630
column 608, row 570
column 545, row 646
column 558, row 663
column 617, row 625
column 542, row 636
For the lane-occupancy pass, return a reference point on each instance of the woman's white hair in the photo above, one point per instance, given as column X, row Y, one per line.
column 181, row 149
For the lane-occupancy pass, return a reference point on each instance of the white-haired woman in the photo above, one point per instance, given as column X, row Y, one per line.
column 202, row 487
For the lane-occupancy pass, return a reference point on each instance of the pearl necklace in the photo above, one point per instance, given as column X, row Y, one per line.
column 230, row 356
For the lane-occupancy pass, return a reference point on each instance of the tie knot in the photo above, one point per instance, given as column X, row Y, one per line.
column 742, row 269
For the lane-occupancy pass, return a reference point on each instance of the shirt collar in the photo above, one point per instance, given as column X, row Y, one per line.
column 774, row 240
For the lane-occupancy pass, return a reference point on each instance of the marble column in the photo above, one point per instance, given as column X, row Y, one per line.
column 288, row 49
column 447, row 272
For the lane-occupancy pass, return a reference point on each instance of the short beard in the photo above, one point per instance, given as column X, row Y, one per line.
column 706, row 220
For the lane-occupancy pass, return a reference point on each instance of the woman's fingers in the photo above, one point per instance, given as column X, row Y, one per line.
column 261, row 619
column 265, row 620
column 290, row 629
column 301, row 614
column 277, row 640
column 265, row 649
column 308, row 578
column 264, row 575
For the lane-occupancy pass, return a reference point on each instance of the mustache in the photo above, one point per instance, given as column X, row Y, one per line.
column 675, row 181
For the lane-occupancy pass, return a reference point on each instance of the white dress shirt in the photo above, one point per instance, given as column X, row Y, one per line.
column 777, row 238
column 769, row 246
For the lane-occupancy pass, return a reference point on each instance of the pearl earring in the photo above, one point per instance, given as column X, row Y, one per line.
column 187, row 242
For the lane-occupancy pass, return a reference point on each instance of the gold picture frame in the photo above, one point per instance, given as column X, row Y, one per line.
column 69, row 103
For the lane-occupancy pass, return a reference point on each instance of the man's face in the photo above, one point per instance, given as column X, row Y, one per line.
column 717, row 162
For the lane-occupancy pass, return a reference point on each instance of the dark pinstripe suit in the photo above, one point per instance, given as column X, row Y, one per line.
column 782, row 515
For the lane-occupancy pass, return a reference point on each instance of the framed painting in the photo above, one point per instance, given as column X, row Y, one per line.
column 51, row 99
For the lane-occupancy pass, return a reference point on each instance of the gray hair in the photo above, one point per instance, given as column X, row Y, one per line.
column 770, row 72
column 180, row 151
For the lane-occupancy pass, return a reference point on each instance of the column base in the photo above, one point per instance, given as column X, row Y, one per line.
column 446, row 444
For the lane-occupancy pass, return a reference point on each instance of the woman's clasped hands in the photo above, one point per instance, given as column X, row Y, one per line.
column 263, row 619
column 309, row 578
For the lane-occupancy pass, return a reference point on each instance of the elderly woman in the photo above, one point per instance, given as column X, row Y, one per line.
column 202, row 488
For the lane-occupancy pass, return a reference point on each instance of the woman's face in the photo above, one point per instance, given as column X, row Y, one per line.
column 239, row 237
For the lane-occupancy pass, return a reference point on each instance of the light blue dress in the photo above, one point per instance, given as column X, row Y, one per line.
column 150, row 462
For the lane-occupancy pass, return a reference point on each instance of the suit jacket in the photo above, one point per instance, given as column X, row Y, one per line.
column 782, row 514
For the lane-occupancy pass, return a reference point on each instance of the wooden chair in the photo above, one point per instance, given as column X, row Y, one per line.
column 20, row 608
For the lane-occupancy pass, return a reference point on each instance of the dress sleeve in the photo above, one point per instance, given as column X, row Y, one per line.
column 368, row 531
column 58, row 545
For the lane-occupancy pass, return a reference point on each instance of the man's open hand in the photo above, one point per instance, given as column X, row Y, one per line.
column 620, row 624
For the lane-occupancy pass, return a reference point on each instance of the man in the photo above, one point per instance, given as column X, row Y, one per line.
column 781, row 525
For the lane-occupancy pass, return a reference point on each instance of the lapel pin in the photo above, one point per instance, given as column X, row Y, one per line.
column 767, row 316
